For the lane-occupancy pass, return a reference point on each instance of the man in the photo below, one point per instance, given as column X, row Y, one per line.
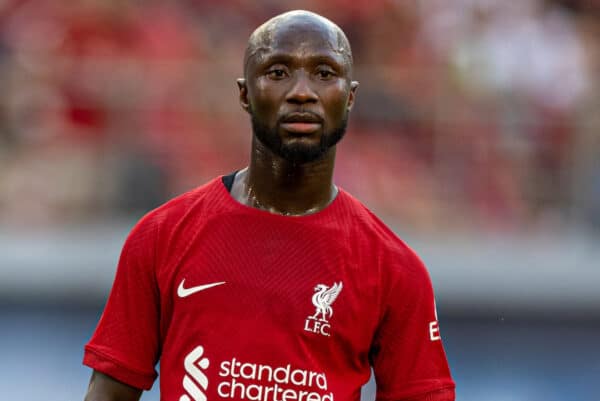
column 272, row 284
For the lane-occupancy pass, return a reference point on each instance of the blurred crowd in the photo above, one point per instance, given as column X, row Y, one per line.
column 475, row 115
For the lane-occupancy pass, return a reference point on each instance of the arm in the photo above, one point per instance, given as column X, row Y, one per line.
column 105, row 388
column 407, row 354
column 117, row 349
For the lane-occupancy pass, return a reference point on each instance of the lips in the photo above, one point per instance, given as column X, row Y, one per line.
column 302, row 118
column 301, row 123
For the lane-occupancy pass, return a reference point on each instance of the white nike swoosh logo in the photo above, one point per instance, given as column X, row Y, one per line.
column 184, row 292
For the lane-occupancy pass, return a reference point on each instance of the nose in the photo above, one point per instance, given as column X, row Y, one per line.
column 301, row 91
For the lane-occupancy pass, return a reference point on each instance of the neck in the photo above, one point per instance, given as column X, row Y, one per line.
column 280, row 186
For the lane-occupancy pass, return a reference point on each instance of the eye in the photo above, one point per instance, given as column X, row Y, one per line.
column 276, row 73
column 325, row 74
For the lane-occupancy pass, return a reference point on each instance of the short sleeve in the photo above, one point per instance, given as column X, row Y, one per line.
column 407, row 354
column 125, row 344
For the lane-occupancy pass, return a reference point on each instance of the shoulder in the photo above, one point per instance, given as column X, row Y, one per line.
column 181, row 213
column 168, row 229
column 179, row 207
column 374, row 230
column 394, row 255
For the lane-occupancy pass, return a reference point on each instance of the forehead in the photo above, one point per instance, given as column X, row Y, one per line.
column 304, row 35
column 298, row 39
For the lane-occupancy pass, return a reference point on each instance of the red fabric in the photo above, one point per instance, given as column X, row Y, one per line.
column 442, row 395
column 118, row 369
column 260, row 331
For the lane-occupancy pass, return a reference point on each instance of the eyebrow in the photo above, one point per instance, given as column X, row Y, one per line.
column 280, row 57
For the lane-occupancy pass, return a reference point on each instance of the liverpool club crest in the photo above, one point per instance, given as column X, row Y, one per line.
column 322, row 300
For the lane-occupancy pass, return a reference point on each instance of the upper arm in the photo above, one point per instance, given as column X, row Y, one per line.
column 126, row 342
column 407, row 354
column 105, row 388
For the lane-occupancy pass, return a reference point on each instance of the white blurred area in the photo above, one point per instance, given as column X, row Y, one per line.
column 476, row 137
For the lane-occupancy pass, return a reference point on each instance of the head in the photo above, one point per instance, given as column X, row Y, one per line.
column 297, row 85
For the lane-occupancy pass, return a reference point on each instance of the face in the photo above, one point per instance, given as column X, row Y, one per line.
column 298, row 91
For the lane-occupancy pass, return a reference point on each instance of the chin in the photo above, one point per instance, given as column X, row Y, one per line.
column 297, row 150
column 301, row 153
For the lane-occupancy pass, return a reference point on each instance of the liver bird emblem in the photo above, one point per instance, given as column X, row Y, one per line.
column 323, row 298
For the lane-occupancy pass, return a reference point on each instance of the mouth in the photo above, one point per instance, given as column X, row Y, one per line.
column 301, row 123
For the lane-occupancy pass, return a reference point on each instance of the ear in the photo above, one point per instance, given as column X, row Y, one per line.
column 352, row 95
column 241, row 83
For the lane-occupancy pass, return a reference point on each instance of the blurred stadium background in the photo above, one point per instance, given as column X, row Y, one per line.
column 476, row 136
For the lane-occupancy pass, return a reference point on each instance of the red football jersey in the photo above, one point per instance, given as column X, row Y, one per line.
column 242, row 304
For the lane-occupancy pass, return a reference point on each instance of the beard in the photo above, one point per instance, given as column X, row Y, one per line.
column 297, row 153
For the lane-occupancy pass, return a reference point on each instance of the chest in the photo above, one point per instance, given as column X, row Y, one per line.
column 252, row 283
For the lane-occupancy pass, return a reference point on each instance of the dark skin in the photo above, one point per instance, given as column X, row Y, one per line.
column 297, row 86
column 105, row 388
column 296, row 63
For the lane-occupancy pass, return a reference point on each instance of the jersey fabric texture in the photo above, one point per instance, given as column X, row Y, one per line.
column 241, row 304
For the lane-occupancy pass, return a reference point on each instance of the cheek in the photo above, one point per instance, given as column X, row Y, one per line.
column 260, row 88
column 335, row 99
column 264, row 96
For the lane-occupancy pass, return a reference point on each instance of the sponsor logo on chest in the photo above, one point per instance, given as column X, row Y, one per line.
column 244, row 380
